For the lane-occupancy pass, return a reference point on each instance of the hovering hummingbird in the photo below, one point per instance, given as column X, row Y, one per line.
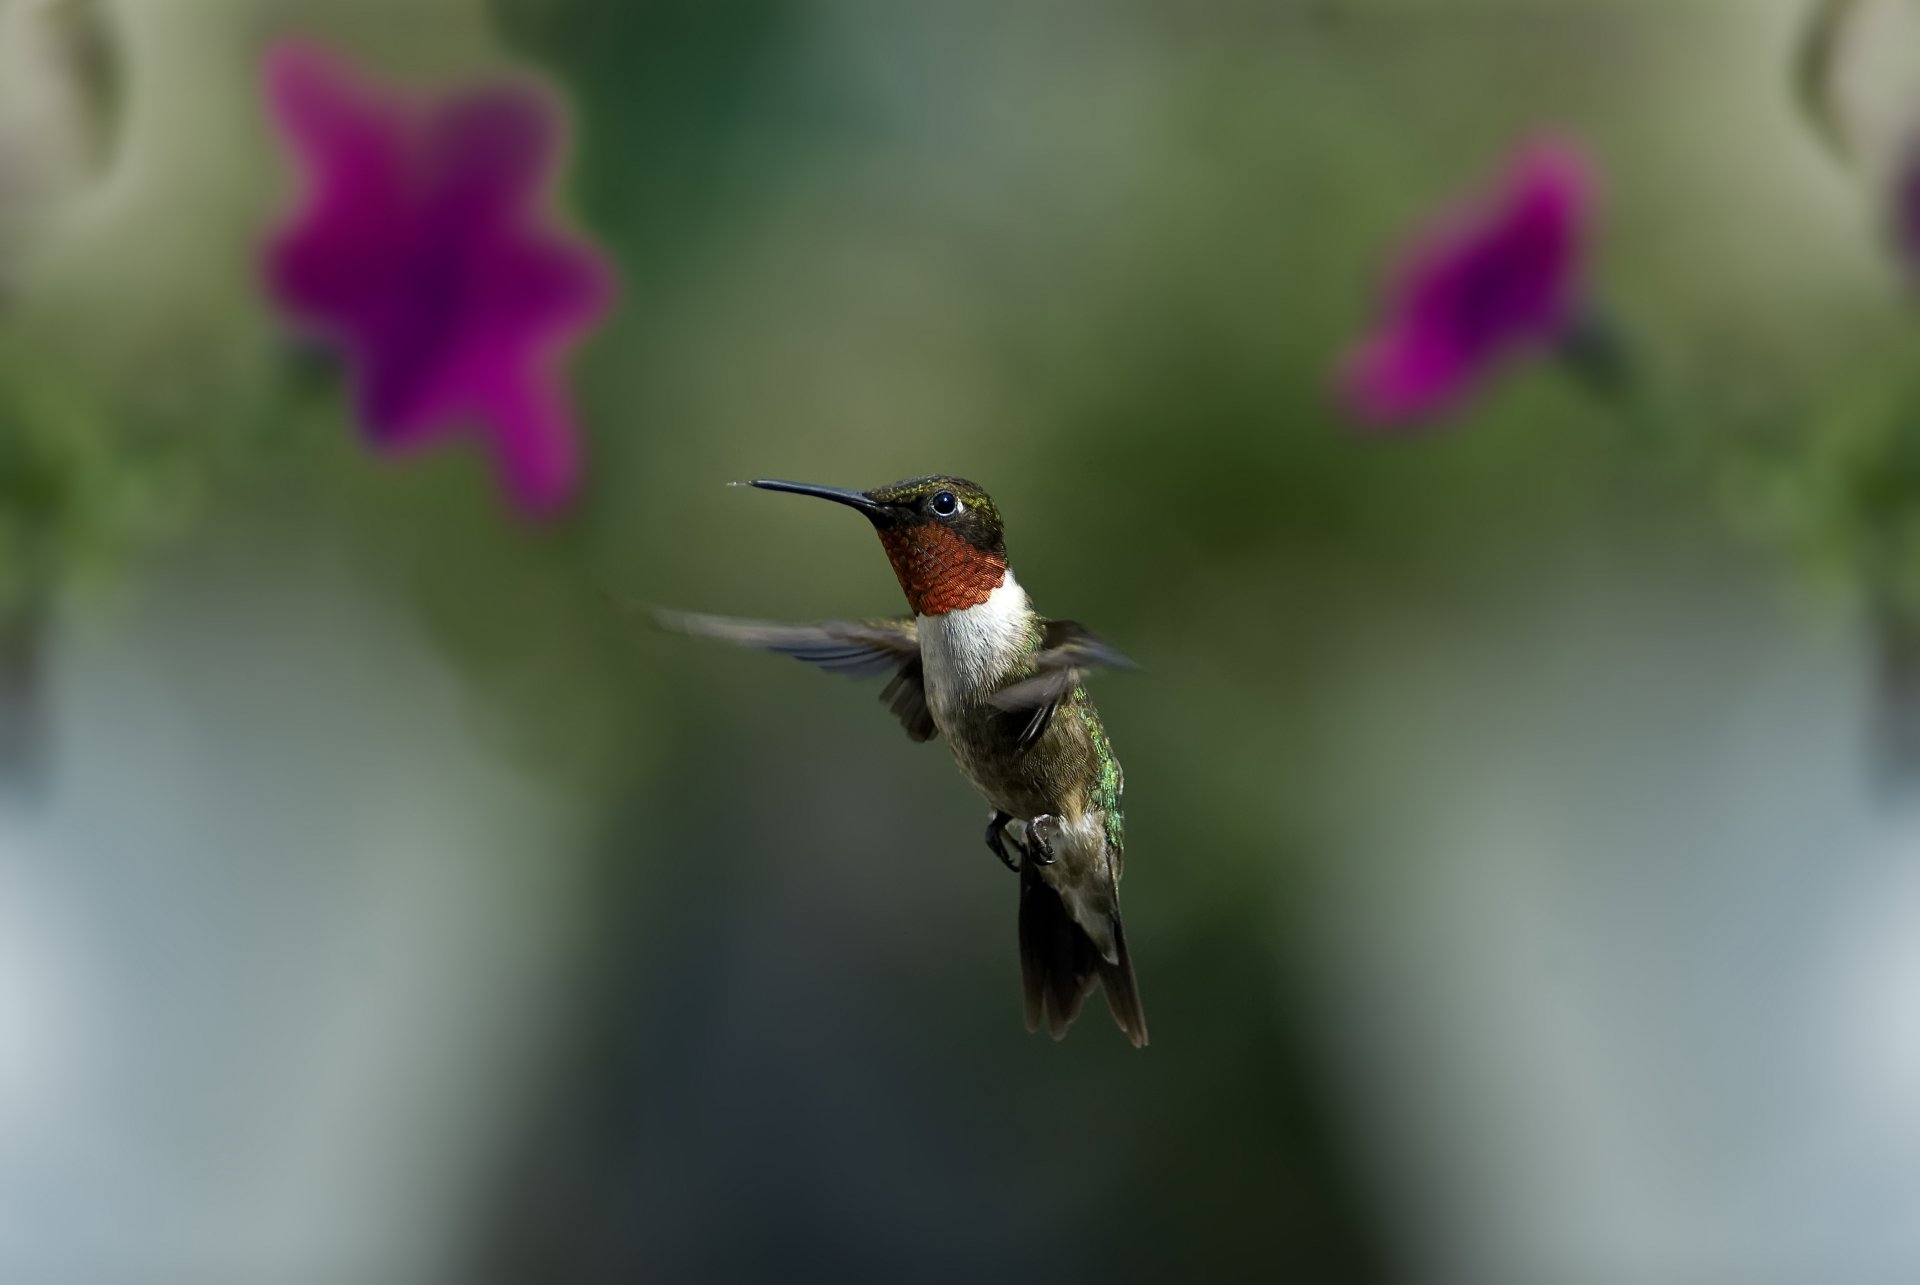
column 976, row 664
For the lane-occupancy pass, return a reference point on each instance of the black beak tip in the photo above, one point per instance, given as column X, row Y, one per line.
column 853, row 499
column 771, row 484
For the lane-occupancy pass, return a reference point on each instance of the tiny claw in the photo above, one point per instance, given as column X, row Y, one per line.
column 997, row 840
column 1039, row 846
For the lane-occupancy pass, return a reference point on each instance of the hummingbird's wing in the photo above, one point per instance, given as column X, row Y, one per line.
column 1067, row 649
column 857, row 648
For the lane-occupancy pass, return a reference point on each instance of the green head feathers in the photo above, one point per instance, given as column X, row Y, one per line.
column 952, row 502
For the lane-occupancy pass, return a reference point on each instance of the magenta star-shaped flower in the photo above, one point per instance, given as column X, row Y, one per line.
column 1478, row 286
column 426, row 249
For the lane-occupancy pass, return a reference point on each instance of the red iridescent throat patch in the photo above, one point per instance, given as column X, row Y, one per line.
column 940, row 571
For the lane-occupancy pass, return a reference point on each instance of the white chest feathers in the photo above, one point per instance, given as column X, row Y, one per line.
column 971, row 649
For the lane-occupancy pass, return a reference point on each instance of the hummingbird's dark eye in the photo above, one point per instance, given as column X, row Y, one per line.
column 946, row 504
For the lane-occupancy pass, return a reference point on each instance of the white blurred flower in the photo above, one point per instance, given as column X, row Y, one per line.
column 1870, row 1000
column 42, row 1000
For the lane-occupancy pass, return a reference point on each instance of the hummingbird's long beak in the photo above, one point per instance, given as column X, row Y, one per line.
column 853, row 499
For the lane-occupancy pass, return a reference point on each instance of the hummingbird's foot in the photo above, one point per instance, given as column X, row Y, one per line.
column 997, row 841
column 1039, row 839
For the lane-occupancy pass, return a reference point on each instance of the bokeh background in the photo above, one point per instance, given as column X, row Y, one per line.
column 1518, row 885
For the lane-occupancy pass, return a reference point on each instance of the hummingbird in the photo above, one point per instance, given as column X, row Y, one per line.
column 977, row 665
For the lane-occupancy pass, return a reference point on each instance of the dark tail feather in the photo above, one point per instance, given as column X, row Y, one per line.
column 1059, row 965
column 1123, row 992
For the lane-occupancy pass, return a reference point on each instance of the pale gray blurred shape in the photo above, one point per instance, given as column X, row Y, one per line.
column 51, row 116
column 1627, row 976
column 280, row 944
column 1874, row 83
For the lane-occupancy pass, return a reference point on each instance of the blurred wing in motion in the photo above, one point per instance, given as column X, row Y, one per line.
column 857, row 648
column 1067, row 649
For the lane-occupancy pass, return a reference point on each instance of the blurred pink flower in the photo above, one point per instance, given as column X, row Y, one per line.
column 425, row 248
column 1477, row 287
column 1906, row 211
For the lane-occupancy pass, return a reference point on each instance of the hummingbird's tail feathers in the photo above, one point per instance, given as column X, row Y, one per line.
column 1057, row 957
column 1059, row 965
column 1123, row 992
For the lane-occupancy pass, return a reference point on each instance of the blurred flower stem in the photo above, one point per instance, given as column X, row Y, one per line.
column 1606, row 362
column 22, row 704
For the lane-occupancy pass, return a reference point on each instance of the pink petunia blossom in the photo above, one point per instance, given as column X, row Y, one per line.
column 426, row 249
column 1481, row 285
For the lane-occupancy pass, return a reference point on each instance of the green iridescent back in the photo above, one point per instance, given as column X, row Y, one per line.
column 1112, row 782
